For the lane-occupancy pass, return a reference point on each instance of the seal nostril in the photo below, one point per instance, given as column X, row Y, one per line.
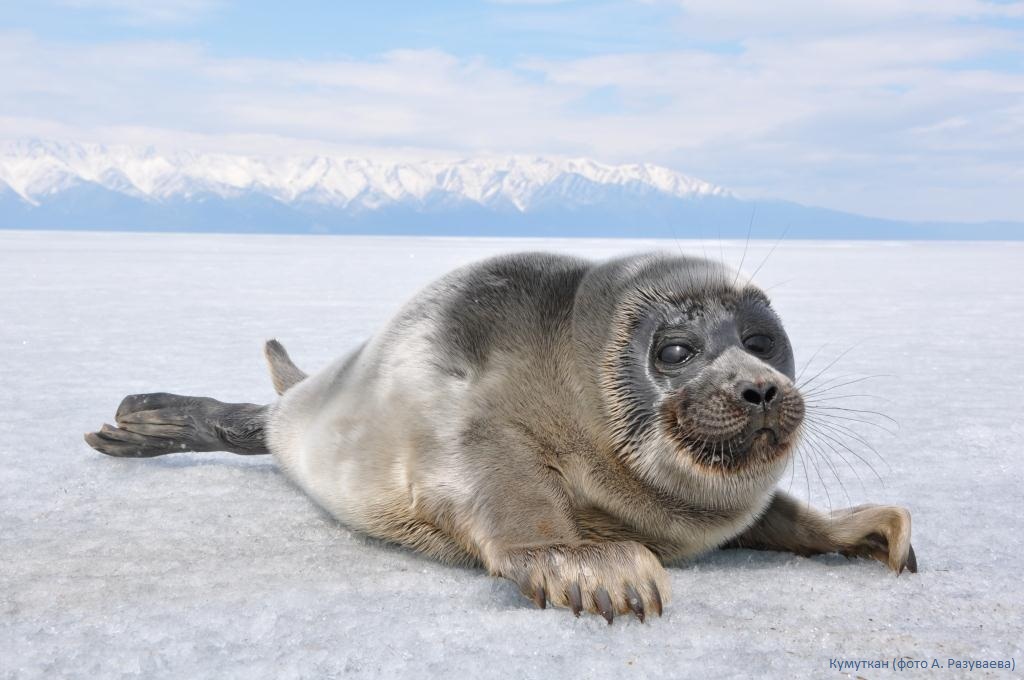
column 758, row 394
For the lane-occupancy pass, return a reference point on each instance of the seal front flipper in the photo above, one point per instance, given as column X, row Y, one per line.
column 157, row 424
column 530, row 539
column 601, row 578
column 881, row 532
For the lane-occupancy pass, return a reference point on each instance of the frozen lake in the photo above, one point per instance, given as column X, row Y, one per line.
column 213, row 565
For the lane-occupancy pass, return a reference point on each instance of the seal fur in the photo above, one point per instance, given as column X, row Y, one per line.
column 517, row 414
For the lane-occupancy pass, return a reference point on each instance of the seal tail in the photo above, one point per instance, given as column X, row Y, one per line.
column 283, row 370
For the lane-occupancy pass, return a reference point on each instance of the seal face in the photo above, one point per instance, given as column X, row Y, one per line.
column 696, row 376
column 721, row 368
column 715, row 368
column 568, row 425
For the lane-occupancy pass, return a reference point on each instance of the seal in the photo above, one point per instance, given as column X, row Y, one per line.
column 569, row 425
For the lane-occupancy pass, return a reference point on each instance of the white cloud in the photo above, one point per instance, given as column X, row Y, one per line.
column 740, row 19
column 882, row 108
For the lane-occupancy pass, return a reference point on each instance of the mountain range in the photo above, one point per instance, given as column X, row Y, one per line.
column 58, row 185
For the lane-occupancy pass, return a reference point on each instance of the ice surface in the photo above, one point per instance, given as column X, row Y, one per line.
column 213, row 565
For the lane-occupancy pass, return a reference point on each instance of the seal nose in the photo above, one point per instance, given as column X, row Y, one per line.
column 758, row 395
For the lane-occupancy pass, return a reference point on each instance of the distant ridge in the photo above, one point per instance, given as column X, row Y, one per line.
column 57, row 185
column 38, row 169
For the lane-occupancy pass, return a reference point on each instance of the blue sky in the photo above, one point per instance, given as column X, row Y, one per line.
column 910, row 110
column 503, row 32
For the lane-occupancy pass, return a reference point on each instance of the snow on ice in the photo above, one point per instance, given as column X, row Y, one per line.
column 213, row 565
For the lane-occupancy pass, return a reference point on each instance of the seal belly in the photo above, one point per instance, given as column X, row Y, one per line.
column 355, row 437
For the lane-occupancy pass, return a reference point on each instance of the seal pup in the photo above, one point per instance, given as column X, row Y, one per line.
column 568, row 425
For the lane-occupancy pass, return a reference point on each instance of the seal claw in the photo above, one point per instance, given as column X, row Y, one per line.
column 656, row 595
column 912, row 561
column 575, row 599
column 635, row 602
column 604, row 604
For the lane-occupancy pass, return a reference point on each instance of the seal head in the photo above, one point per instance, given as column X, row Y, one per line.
column 692, row 371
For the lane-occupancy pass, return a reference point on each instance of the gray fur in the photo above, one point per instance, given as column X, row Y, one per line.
column 514, row 415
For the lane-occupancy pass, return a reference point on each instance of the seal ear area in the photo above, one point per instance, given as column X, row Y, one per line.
column 283, row 370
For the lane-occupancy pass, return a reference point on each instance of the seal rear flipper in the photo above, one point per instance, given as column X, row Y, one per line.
column 157, row 424
column 283, row 370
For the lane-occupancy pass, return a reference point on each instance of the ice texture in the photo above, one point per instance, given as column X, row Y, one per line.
column 215, row 566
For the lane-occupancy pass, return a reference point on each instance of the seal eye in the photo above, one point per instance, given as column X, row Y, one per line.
column 675, row 354
column 758, row 344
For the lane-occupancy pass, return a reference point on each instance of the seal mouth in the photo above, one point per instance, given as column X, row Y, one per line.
column 767, row 434
column 717, row 436
column 743, row 451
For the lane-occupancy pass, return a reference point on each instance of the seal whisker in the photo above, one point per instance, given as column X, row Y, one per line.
column 746, row 244
column 706, row 444
column 807, row 364
column 779, row 284
column 813, row 444
column 792, row 459
column 826, row 412
column 833, row 397
column 832, row 363
column 817, row 442
column 829, row 421
column 822, row 442
column 702, row 444
column 721, row 248
column 807, row 479
column 817, row 471
column 814, row 427
column 675, row 237
column 765, row 260
column 821, row 387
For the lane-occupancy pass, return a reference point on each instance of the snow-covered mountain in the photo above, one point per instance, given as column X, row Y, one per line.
column 56, row 185
column 37, row 170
